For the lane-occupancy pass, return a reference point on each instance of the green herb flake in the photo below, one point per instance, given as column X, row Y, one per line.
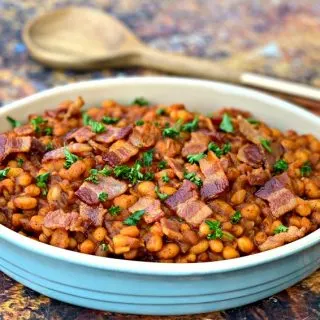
column 172, row 132
column 161, row 112
column 86, row 119
column 134, row 218
column 139, row 122
column 103, row 196
column 49, row 146
column 161, row 196
column 132, row 174
column 48, row 131
column 70, row 158
column 195, row 158
column 147, row 158
column 253, row 121
column 226, row 148
column 20, row 162
column 140, row 101
column 226, row 124
column 93, row 178
column 215, row 227
column 110, row 120
column 36, row 122
column 104, row 247
column 97, row 127
column 148, row 176
column 14, row 123
column 191, row 176
column 3, row 173
column 191, row 126
column 266, row 144
column 236, row 217
column 306, row 169
column 42, row 181
column 114, row 210
column 165, row 178
column 280, row 229
column 162, row 164
column 216, row 149
column 280, row 166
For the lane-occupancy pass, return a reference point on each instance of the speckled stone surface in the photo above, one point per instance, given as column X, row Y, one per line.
column 274, row 37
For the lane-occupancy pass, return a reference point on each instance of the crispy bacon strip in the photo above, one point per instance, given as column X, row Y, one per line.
column 113, row 134
column 258, row 177
column 249, row 131
column 94, row 214
column 250, row 154
column 176, row 165
column 280, row 198
column 89, row 192
column 152, row 207
column 198, row 143
column 171, row 229
column 215, row 181
column 145, row 136
column 9, row 144
column 168, row 147
column 81, row 135
column 280, row 239
column 66, row 220
column 120, row 152
column 25, row 130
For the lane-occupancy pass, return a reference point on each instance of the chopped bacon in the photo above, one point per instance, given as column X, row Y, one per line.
column 73, row 148
column 215, row 181
column 81, row 135
column 94, row 214
column 9, row 144
column 98, row 146
column 113, row 134
column 25, row 130
column 66, row 220
column 89, row 192
column 176, row 165
column 280, row 239
column 187, row 191
column 258, row 177
column 281, row 199
column 271, row 158
column 171, row 229
column 198, row 143
column 250, row 154
column 249, row 131
column 145, row 136
column 168, row 147
column 152, row 208
column 120, row 152
column 72, row 108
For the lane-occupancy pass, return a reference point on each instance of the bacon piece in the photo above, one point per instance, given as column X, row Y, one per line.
column 152, row 207
column 168, row 147
column 258, row 177
column 98, row 146
column 193, row 211
column 66, row 220
column 25, row 130
column 9, row 144
column 171, row 229
column 72, row 108
column 215, row 181
column 187, row 191
column 81, row 135
column 94, row 214
column 113, row 134
column 56, row 154
column 271, row 158
column 145, row 136
column 249, row 131
column 120, row 152
column 250, row 154
column 198, row 143
column 280, row 239
column 89, row 192
column 281, row 199
column 176, row 165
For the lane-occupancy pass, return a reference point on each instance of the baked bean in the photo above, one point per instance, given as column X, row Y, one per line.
column 303, row 210
column 16, row 219
column 36, row 223
column 125, row 201
column 131, row 231
column 99, row 234
column 230, row 252
column 216, row 245
column 154, row 243
column 169, row 251
column 32, row 190
column 147, row 188
column 87, row 246
column 239, row 196
column 200, row 247
column 60, row 239
column 250, row 211
column 24, row 179
column 245, row 245
column 25, row 202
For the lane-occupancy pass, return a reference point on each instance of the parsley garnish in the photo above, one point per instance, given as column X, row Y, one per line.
column 109, row 120
column 191, row 126
column 236, row 217
column 134, row 218
column 160, row 112
column 70, row 158
column 49, row 146
column 139, row 122
column 148, row 176
column 306, row 169
column 104, row 247
column 36, row 122
column 226, row 148
column 3, row 173
column 226, row 123
column 280, row 229
column 48, row 131
column 147, row 158
column 94, row 175
column 172, row 132
column 193, row 178
column 165, row 178
column 162, row 164
column 103, row 196
column 215, row 227
column 141, row 101
column 161, row 196
column 20, row 162
column 41, row 182
column 280, row 166
column 14, row 123
column 253, row 121
column 114, row 210
column 195, row 158
column 86, row 119
column 266, row 144
column 217, row 150
column 96, row 126
column 132, row 174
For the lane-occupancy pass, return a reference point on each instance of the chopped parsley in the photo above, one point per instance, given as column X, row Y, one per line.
column 48, row 131
column 195, row 158
column 103, row 196
column 96, row 126
column 280, row 166
column 139, row 122
column 306, row 169
column 226, row 148
column 280, row 229
column 215, row 227
column 110, row 120
column 3, row 173
column 36, row 122
column 191, row 126
column 161, row 196
column 165, row 178
column 49, row 146
column 86, row 119
column 226, row 124
column 42, row 181
column 266, row 144
column 94, row 175
column 172, row 132
column 114, row 210
column 191, row 176
column 236, row 217
column 70, row 158
column 217, row 150
column 140, row 101
column 161, row 112
column 253, row 121
column 104, row 247
column 14, row 123
column 162, row 164
column 147, row 158
column 132, row 174
column 148, row 176
column 20, row 162
column 134, row 218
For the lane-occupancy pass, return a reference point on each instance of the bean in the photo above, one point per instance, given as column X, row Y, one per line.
column 16, row 219
column 216, row 245
column 169, row 251
column 32, row 190
column 154, row 243
column 125, row 201
column 202, row 246
column 190, row 237
column 312, row 190
column 60, row 238
column 130, row 231
column 25, row 202
column 303, row 210
column 14, row 172
column 239, row 196
column 146, row 188
column 87, row 246
column 72, row 243
column 130, row 254
column 230, row 253
column 250, row 211
column 99, row 234
column 24, row 179
column 36, row 223
column 43, row 238
column 245, row 245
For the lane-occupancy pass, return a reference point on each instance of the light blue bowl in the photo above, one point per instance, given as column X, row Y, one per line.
column 153, row 288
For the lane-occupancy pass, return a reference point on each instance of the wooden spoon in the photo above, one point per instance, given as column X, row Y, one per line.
column 83, row 38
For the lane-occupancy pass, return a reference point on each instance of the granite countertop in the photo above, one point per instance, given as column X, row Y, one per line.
column 278, row 38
